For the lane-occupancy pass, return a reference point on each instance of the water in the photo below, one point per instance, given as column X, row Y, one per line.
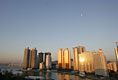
column 11, row 68
column 46, row 75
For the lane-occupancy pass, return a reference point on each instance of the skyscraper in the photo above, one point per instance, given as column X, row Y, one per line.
column 26, row 57
column 93, row 62
column 48, row 60
column 76, row 51
column 34, row 58
column 112, row 66
column 100, row 64
column 86, row 62
column 67, row 58
column 116, row 51
column 60, row 58
column 64, row 59
column 40, row 58
column 30, row 59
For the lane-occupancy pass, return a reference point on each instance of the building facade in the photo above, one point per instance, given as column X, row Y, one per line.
column 112, row 66
column 34, row 58
column 76, row 51
column 40, row 58
column 48, row 60
column 86, row 62
column 64, row 59
column 90, row 62
column 100, row 64
column 116, row 51
column 42, row 65
column 26, row 57
column 30, row 58
column 60, row 58
column 67, row 59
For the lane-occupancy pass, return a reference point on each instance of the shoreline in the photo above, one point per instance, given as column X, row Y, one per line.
column 89, row 76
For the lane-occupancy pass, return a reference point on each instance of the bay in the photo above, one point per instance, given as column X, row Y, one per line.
column 46, row 75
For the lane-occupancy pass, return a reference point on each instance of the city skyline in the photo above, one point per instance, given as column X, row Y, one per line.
column 49, row 25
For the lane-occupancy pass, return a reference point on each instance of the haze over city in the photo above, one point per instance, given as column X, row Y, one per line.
column 49, row 25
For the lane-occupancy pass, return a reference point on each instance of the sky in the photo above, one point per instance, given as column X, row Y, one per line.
column 49, row 25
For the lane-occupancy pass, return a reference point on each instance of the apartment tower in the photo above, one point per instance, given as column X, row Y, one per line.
column 26, row 57
column 116, row 51
column 40, row 58
column 48, row 60
column 76, row 51
column 34, row 58
column 60, row 58
column 67, row 59
column 100, row 64
column 64, row 59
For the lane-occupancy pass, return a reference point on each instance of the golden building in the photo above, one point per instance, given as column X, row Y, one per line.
column 48, row 60
column 100, row 64
column 60, row 58
column 93, row 62
column 116, row 51
column 86, row 62
column 41, row 65
column 26, row 58
column 67, row 59
column 34, row 58
column 64, row 59
column 76, row 51
column 112, row 66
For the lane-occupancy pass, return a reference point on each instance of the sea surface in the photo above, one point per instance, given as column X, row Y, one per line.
column 11, row 68
column 46, row 75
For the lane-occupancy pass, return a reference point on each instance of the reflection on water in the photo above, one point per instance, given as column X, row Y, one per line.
column 76, row 78
column 64, row 76
column 56, row 76
column 46, row 75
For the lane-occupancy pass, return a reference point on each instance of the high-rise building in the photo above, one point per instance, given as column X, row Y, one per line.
column 47, row 53
column 64, row 59
column 100, row 64
column 112, row 66
column 34, row 58
column 42, row 65
column 86, row 62
column 40, row 58
column 67, row 59
column 60, row 58
column 116, row 51
column 26, row 57
column 76, row 51
column 48, row 60
column 93, row 62
column 30, row 59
